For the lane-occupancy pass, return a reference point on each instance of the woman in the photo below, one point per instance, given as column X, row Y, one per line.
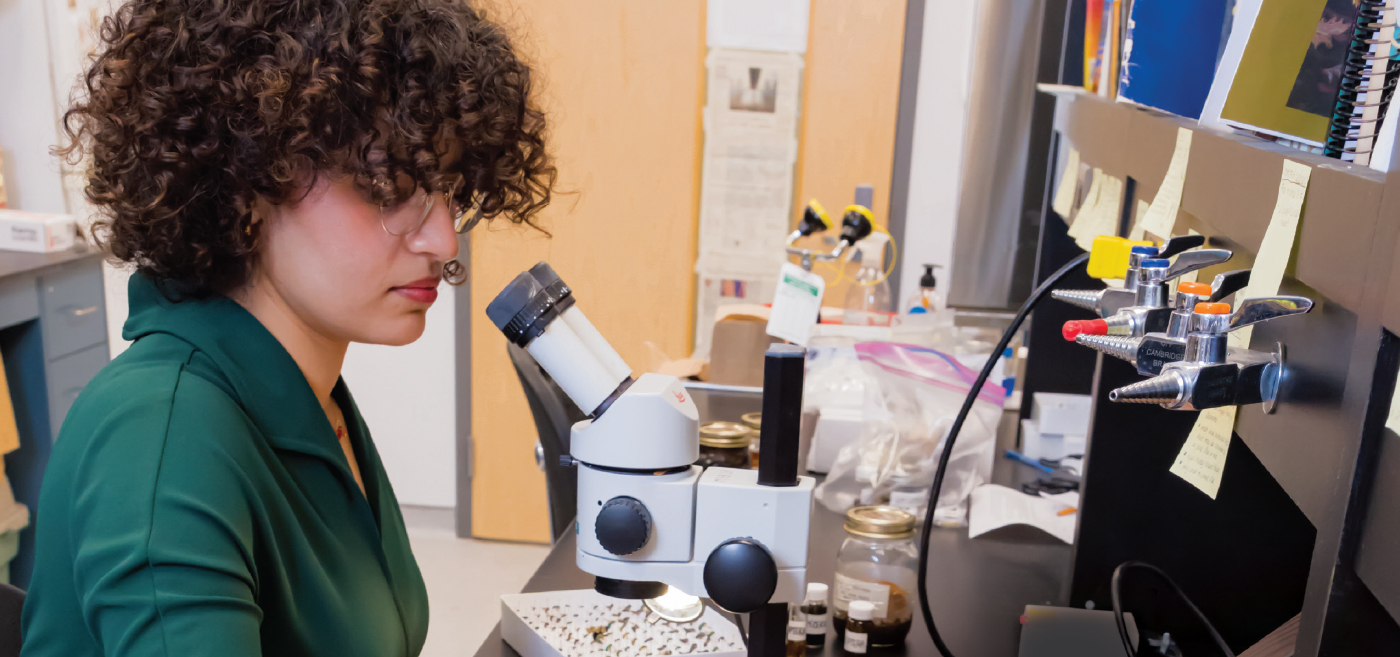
column 287, row 177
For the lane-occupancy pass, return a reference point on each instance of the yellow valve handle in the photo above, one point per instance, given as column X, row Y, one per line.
column 869, row 216
column 820, row 213
column 1108, row 259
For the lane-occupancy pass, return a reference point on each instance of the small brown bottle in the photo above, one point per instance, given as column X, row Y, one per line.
column 796, row 633
column 818, row 617
column 858, row 626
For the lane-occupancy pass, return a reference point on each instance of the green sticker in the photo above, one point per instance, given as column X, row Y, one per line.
column 801, row 285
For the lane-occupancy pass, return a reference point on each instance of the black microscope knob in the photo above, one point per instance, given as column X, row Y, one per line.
column 623, row 526
column 740, row 576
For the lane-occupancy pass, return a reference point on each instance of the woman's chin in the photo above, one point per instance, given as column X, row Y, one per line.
column 397, row 332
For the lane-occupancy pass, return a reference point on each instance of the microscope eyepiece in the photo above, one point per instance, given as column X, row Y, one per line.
column 521, row 311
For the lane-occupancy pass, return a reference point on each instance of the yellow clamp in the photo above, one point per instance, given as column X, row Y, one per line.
column 1108, row 259
column 860, row 209
column 820, row 213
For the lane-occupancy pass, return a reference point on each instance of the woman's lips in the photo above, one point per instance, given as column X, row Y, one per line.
column 423, row 290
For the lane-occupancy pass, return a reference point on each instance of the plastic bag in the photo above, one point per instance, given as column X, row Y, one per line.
column 910, row 405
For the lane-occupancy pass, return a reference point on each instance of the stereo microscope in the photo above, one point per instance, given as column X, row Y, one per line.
column 648, row 519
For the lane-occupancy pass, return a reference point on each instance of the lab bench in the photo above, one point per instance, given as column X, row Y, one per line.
column 53, row 337
column 979, row 587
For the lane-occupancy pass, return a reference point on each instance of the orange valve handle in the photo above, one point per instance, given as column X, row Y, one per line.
column 1191, row 287
column 1213, row 308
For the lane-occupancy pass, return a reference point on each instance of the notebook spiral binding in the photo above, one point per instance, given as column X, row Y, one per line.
column 1347, row 120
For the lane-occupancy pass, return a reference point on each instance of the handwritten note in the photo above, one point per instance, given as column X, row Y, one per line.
column 1064, row 195
column 9, row 431
column 1089, row 206
column 1161, row 217
column 1102, row 217
column 1202, row 459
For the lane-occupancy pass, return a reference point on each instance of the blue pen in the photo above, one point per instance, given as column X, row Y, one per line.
column 1017, row 456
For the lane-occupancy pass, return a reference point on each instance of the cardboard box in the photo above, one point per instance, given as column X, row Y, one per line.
column 736, row 351
column 35, row 232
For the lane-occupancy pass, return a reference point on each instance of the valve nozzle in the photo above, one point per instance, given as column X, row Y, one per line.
column 1076, row 327
column 1086, row 299
column 1118, row 346
column 1167, row 388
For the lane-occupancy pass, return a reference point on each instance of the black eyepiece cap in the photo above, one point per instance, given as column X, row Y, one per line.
column 521, row 311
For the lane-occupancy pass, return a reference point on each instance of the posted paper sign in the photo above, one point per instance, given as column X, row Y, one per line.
column 796, row 304
column 1202, row 459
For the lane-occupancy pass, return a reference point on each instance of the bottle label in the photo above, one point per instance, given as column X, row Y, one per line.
column 817, row 623
column 797, row 632
column 857, row 642
column 850, row 589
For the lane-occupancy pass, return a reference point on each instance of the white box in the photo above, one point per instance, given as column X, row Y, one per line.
column 836, row 428
column 1062, row 414
column 1036, row 444
column 516, row 630
column 36, row 233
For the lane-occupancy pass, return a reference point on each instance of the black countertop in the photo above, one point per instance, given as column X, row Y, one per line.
column 979, row 587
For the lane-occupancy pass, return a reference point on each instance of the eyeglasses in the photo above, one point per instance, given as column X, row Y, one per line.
column 407, row 217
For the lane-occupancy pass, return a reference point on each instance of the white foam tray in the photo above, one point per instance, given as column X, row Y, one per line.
column 515, row 609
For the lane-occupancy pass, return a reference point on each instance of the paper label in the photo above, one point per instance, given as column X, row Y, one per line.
column 1064, row 195
column 817, row 623
column 797, row 632
column 1161, row 216
column 1090, row 205
column 857, row 642
column 1202, row 459
column 796, row 304
column 850, row 589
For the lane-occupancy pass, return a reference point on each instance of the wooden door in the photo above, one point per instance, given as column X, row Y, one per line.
column 622, row 82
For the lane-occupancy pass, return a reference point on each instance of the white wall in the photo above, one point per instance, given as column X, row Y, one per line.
column 940, row 123
column 28, row 117
column 409, row 400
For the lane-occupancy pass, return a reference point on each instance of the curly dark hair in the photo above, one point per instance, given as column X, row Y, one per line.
column 197, row 109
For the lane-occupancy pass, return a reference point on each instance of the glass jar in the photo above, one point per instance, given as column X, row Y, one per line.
column 724, row 444
column 878, row 564
column 754, row 421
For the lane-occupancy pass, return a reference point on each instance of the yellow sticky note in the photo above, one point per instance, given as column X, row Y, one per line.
column 9, row 432
column 1084, row 216
column 1064, row 195
column 1102, row 218
column 1161, row 216
column 1137, row 234
column 1188, row 276
column 1277, row 246
column 1202, row 459
column 1393, row 422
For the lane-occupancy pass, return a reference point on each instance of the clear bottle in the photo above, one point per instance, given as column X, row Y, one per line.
column 879, row 565
column 796, row 633
column 818, row 616
column 868, row 297
column 928, row 299
column 860, row 628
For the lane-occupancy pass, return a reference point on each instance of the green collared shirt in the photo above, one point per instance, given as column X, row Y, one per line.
column 197, row 502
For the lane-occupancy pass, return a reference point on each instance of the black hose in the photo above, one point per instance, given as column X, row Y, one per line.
column 1114, row 586
column 942, row 470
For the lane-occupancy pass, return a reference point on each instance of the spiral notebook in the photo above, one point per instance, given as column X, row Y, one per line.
column 1368, row 78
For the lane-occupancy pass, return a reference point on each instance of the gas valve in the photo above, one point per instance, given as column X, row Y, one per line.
column 1154, row 350
column 1150, row 311
column 1110, row 300
column 1211, row 374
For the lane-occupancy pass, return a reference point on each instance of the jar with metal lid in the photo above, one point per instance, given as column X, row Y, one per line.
column 724, row 444
column 754, row 421
column 878, row 564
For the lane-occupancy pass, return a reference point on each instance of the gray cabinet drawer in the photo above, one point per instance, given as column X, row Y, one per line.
column 19, row 300
column 66, row 378
column 74, row 313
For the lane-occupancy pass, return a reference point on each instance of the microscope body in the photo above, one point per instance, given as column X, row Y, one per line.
column 645, row 514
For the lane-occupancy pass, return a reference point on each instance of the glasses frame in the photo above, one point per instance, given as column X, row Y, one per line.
column 460, row 223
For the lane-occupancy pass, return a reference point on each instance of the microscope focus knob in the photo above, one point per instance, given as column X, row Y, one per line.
column 740, row 576
column 623, row 526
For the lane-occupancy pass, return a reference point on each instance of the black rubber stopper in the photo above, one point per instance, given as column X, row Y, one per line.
column 627, row 590
column 740, row 576
column 623, row 526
